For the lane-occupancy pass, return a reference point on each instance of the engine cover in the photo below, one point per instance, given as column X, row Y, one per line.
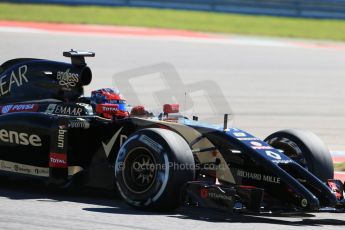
column 23, row 80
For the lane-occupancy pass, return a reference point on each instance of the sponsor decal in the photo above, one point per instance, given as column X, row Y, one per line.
column 249, row 175
column 255, row 143
column 271, row 179
column 109, row 109
column 247, row 138
column 258, row 177
column 81, row 124
column 304, row 203
column 282, row 161
column 6, row 108
column 24, row 107
column 41, row 171
column 5, row 166
column 148, row 141
column 19, row 108
column 204, row 193
column 239, row 134
column 258, row 145
column 262, row 147
column 67, row 79
column 67, row 110
column 61, row 138
column 20, row 169
column 16, row 78
column 219, row 196
column 13, row 137
column 51, row 108
column 24, row 169
column 57, row 160
column 64, row 110
column 33, row 170
column 273, row 155
column 108, row 146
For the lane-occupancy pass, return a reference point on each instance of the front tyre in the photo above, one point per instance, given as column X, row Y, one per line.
column 151, row 168
column 305, row 148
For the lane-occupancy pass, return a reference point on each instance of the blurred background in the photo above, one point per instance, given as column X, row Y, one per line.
column 293, row 8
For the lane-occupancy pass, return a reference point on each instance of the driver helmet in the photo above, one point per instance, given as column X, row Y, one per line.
column 108, row 103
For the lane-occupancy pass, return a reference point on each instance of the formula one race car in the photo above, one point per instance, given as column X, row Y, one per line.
column 48, row 131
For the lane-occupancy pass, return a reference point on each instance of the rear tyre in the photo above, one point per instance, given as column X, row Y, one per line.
column 305, row 148
column 151, row 168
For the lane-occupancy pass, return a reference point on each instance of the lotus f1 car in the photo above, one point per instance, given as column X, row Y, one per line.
column 48, row 131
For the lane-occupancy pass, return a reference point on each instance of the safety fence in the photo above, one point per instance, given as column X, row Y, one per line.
column 334, row 9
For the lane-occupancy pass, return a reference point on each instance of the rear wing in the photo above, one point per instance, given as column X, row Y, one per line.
column 78, row 57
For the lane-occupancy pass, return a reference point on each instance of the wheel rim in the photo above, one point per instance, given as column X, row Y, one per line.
column 139, row 171
column 291, row 149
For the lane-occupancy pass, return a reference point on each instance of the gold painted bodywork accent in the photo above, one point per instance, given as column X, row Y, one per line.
column 9, row 166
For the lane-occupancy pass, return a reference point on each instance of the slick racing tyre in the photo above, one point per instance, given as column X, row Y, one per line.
column 151, row 168
column 305, row 148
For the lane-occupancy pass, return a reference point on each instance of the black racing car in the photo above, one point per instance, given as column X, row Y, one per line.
column 48, row 131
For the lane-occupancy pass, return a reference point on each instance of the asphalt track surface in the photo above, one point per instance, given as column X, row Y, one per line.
column 268, row 85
